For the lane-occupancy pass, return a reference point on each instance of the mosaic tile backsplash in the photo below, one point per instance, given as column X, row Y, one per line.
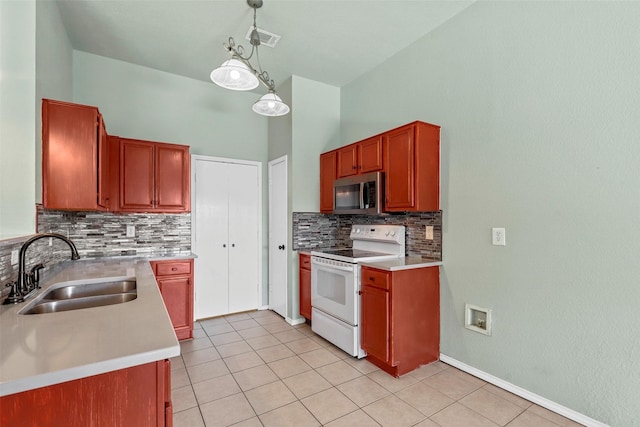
column 314, row 230
column 100, row 234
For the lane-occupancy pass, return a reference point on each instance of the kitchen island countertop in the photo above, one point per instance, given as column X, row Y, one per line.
column 38, row 350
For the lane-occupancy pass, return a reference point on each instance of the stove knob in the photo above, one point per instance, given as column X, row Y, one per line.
column 386, row 233
column 357, row 230
column 393, row 234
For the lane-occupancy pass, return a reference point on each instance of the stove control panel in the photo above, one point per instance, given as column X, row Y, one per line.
column 380, row 233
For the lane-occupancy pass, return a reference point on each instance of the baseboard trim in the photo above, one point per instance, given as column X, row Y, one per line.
column 263, row 307
column 294, row 322
column 525, row 394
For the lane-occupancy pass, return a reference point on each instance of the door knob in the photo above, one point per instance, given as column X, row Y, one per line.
column 281, row 247
column 224, row 245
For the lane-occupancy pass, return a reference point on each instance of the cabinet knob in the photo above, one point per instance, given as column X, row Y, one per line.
column 233, row 245
column 224, row 245
column 373, row 279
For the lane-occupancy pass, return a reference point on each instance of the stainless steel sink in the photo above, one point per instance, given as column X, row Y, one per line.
column 90, row 289
column 77, row 295
column 48, row 306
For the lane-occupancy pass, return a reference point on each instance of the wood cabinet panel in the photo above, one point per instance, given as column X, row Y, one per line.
column 305, row 285
column 361, row 157
column 347, row 160
column 328, row 162
column 153, row 176
column 175, row 281
column 412, row 168
column 370, row 155
column 137, row 172
column 401, row 325
column 399, row 169
column 73, row 172
column 375, row 322
column 172, row 177
column 135, row 396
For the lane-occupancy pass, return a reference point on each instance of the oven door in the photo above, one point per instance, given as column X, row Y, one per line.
column 334, row 288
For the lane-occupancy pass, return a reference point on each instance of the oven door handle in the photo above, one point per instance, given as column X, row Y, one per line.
column 331, row 267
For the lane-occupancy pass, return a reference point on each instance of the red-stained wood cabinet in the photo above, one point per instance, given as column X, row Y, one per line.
column 152, row 176
column 75, row 169
column 305, row 285
column 136, row 396
column 327, row 176
column 412, row 168
column 400, row 318
column 360, row 157
column 175, row 280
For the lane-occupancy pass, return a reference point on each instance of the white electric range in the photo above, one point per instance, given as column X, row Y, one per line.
column 335, row 282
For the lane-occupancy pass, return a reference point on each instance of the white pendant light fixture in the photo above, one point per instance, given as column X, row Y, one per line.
column 237, row 73
column 270, row 105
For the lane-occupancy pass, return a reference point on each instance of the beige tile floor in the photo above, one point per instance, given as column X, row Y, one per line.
column 254, row 369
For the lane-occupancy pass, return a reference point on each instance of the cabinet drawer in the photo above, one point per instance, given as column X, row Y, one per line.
column 375, row 278
column 305, row 261
column 173, row 268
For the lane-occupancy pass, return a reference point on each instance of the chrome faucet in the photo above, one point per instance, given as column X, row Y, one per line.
column 28, row 283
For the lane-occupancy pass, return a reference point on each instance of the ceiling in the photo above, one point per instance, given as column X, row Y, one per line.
column 328, row 41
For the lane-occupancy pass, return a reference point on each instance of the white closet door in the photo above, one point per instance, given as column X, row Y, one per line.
column 278, row 242
column 244, row 196
column 211, row 238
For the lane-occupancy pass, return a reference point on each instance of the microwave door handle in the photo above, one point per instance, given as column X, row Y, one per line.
column 365, row 195
column 362, row 191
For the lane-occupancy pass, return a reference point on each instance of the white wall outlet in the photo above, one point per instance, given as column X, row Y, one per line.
column 131, row 231
column 14, row 257
column 498, row 237
column 477, row 319
column 428, row 232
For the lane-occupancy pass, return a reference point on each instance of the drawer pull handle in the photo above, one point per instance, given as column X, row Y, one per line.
column 373, row 279
column 174, row 269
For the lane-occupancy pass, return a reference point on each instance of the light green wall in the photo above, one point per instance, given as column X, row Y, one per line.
column 539, row 105
column 54, row 63
column 17, row 117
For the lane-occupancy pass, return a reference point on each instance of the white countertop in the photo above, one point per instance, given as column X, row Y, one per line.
column 43, row 349
column 404, row 263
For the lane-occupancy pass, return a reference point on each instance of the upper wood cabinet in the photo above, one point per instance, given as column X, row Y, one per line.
column 153, row 176
column 361, row 157
column 412, row 168
column 327, row 176
column 75, row 170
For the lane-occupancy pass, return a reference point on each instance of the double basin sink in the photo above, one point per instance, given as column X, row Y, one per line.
column 76, row 295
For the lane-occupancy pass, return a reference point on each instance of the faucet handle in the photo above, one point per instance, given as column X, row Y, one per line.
column 34, row 275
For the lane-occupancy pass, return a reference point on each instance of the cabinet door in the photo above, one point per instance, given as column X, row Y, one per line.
column 69, row 156
column 243, row 196
column 172, row 177
column 370, row 155
column 375, row 322
column 176, row 295
column 136, row 175
column 348, row 160
column 327, row 177
column 305, row 286
column 399, row 155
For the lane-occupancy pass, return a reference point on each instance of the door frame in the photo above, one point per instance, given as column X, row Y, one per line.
column 198, row 157
column 283, row 159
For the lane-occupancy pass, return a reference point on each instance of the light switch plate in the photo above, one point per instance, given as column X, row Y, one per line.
column 498, row 237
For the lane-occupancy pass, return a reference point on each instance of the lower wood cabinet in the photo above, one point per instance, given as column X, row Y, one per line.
column 175, row 280
column 400, row 318
column 136, row 396
column 305, row 285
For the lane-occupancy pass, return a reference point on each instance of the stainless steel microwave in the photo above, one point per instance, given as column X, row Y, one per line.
column 359, row 194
